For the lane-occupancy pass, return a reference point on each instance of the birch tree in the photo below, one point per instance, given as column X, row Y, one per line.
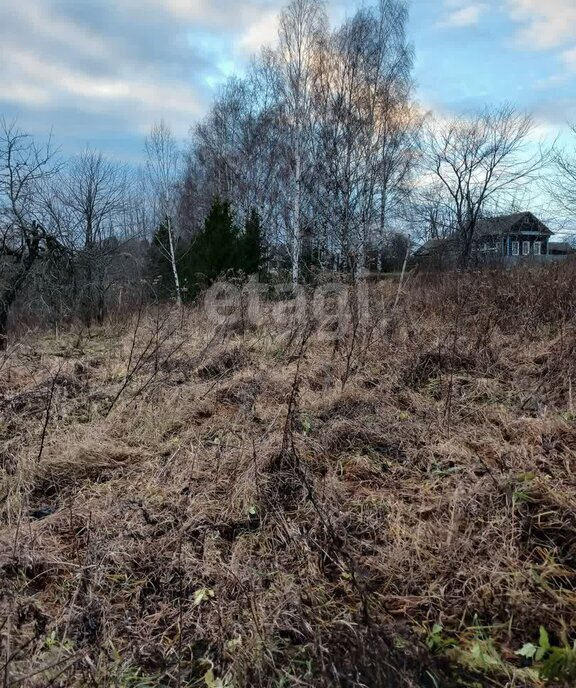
column 235, row 151
column 163, row 168
column 364, row 126
column 319, row 136
column 302, row 25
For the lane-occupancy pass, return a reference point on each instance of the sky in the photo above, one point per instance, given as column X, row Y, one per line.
column 101, row 72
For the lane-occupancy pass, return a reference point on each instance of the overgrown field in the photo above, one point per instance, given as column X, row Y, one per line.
column 341, row 501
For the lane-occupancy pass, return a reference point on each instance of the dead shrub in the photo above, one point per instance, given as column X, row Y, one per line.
column 547, row 522
column 242, row 391
column 434, row 364
column 350, row 404
column 91, row 459
column 223, row 362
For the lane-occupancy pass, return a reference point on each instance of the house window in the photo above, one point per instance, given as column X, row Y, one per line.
column 525, row 248
column 515, row 248
column 537, row 248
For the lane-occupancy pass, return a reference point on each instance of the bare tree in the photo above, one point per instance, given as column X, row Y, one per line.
column 479, row 159
column 93, row 194
column 234, row 152
column 363, row 128
column 392, row 120
column 24, row 166
column 562, row 188
column 302, row 26
column 164, row 176
column 319, row 136
column 432, row 213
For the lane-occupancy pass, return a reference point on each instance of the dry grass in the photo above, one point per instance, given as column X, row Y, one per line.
column 188, row 505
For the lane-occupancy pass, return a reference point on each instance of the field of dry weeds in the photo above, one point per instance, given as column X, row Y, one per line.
column 379, row 502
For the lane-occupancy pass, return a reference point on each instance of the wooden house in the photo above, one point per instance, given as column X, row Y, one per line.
column 508, row 238
column 519, row 234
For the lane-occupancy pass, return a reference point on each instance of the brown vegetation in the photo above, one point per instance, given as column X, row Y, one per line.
column 183, row 504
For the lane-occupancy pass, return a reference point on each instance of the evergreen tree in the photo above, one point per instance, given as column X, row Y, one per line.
column 253, row 245
column 216, row 249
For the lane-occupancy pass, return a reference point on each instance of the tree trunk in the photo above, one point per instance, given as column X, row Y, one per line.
column 467, row 242
column 87, row 309
column 101, row 307
column 296, row 238
column 3, row 326
column 173, row 263
column 9, row 296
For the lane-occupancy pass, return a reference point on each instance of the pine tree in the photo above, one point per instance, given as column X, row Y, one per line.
column 216, row 249
column 253, row 246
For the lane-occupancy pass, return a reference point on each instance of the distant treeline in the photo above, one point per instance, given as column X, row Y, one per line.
column 318, row 159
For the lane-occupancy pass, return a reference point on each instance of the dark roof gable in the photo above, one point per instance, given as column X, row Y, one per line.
column 509, row 224
column 433, row 245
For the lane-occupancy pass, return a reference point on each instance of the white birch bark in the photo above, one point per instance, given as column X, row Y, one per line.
column 173, row 263
column 163, row 167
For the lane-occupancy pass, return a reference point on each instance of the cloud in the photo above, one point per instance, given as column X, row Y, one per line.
column 469, row 15
column 545, row 23
column 105, row 70
column 261, row 32
column 548, row 25
column 569, row 59
column 122, row 64
column 57, row 81
column 134, row 66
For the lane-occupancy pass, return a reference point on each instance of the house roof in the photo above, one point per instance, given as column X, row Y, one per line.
column 508, row 224
column 502, row 225
column 432, row 245
column 560, row 246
